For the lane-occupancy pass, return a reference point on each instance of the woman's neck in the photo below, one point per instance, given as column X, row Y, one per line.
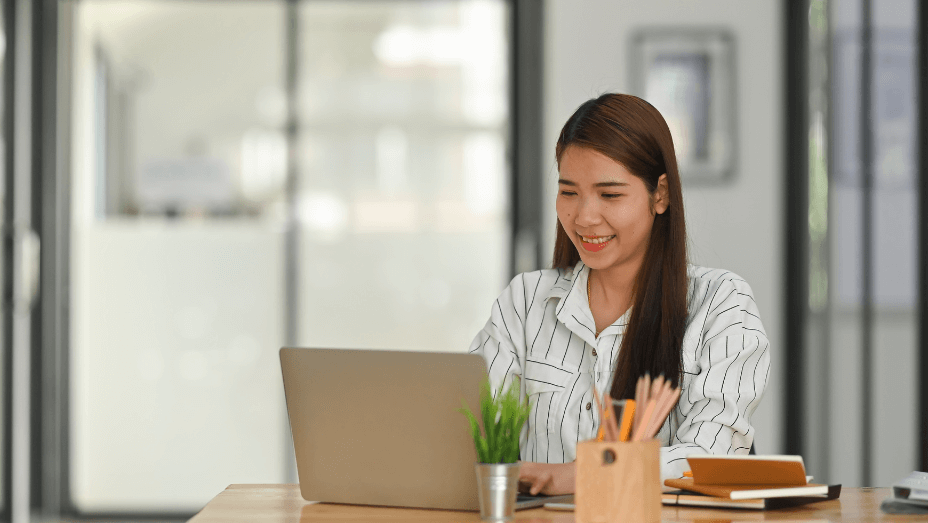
column 611, row 291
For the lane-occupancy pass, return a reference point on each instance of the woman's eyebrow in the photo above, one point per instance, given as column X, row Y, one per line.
column 614, row 183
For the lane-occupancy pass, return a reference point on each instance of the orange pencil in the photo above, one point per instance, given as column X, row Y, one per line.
column 628, row 414
column 600, row 436
column 613, row 426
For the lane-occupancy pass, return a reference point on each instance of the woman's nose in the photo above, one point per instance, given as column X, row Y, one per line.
column 588, row 213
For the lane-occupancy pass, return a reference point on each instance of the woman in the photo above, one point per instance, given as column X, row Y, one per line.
column 621, row 301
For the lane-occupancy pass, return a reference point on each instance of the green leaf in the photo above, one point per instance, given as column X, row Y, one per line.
column 488, row 412
column 479, row 442
column 503, row 415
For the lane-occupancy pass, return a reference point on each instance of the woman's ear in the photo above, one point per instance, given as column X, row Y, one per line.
column 661, row 195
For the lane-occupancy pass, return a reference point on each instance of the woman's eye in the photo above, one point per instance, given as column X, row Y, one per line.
column 611, row 195
column 567, row 193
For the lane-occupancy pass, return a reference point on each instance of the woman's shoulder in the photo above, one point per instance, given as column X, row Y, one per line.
column 705, row 281
column 720, row 296
column 528, row 288
column 542, row 282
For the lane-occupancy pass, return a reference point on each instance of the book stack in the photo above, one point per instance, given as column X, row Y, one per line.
column 746, row 482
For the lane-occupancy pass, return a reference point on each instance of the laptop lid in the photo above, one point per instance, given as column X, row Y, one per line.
column 377, row 427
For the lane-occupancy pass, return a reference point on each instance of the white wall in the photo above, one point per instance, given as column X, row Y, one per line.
column 737, row 225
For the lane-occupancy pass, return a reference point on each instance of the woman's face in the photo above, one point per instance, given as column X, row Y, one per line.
column 605, row 210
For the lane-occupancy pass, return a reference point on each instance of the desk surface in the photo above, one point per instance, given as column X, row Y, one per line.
column 282, row 503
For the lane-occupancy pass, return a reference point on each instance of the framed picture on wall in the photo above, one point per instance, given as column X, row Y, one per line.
column 689, row 76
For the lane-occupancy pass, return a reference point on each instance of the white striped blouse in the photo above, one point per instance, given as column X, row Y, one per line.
column 542, row 330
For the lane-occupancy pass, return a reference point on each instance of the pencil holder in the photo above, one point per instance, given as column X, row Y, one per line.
column 618, row 482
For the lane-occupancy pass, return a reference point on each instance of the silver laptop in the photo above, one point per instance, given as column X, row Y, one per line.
column 377, row 427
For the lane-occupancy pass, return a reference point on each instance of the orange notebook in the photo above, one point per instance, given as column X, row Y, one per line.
column 747, row 477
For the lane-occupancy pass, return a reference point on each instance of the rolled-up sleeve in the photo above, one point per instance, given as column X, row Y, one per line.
column 726, row 366
column 501, row 342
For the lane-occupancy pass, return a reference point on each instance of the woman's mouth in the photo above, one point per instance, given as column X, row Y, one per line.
column 595, row 243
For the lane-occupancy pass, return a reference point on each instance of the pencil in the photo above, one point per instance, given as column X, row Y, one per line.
column 645, row 420
column 654, row 424
column 646, row 389
column 613, row 426
column 641, row 397
column 600, row 436
column 664, row 411
column 657, row 386
column 628, row 413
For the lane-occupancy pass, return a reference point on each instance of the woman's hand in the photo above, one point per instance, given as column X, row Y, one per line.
column 549, row 479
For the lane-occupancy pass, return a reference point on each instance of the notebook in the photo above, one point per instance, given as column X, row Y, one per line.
column 740, row 477
column 693, row 499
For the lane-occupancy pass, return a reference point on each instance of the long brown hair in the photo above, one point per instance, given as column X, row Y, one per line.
column 633, row 133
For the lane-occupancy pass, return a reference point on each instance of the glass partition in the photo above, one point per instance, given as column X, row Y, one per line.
column 403, row 172
column 861, row 420
column 177, row 243
column 181, row 206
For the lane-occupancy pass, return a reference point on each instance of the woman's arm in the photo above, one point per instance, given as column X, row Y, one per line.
column 501, row 342
column 731, row 354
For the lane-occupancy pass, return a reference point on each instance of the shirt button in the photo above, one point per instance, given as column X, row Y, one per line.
column 594, row 352
column 589, row 406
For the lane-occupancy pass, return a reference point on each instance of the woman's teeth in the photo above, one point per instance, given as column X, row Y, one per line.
column 598, row 239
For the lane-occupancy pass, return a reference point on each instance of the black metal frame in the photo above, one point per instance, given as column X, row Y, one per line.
column 922, row 97
column 51, row 219
column 866, row 241
column 6, row 280
column 527, row 106
column 797, row 220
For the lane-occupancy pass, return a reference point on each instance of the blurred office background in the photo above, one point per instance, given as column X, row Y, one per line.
column 190, row 185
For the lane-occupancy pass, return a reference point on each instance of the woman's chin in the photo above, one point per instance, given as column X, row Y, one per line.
column 595, row 261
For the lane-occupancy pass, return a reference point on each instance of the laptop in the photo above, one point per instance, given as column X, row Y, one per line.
column 374, row 427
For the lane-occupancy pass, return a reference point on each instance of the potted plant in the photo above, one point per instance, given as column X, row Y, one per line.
column 503, row 415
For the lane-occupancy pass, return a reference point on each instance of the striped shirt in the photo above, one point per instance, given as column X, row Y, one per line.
column 542, row 330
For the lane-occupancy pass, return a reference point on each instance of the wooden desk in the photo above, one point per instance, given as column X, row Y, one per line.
column 282, row 503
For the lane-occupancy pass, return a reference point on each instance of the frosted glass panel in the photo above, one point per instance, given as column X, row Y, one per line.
column 177, row 245
column 179, row 217
column 403, row 171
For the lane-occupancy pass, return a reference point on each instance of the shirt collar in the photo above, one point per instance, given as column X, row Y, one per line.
column 573, row 310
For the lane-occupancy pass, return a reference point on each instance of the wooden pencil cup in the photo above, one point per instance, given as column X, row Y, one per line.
column 618, row 482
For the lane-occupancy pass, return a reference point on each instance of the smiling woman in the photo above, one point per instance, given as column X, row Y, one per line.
column 609, row 213
column 620, row 301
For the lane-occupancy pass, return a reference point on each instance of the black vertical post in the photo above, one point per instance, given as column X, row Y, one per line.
column 866, row 240
column 526, row 106
column 6, row 343
column 922, row 100
column 796, row 304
